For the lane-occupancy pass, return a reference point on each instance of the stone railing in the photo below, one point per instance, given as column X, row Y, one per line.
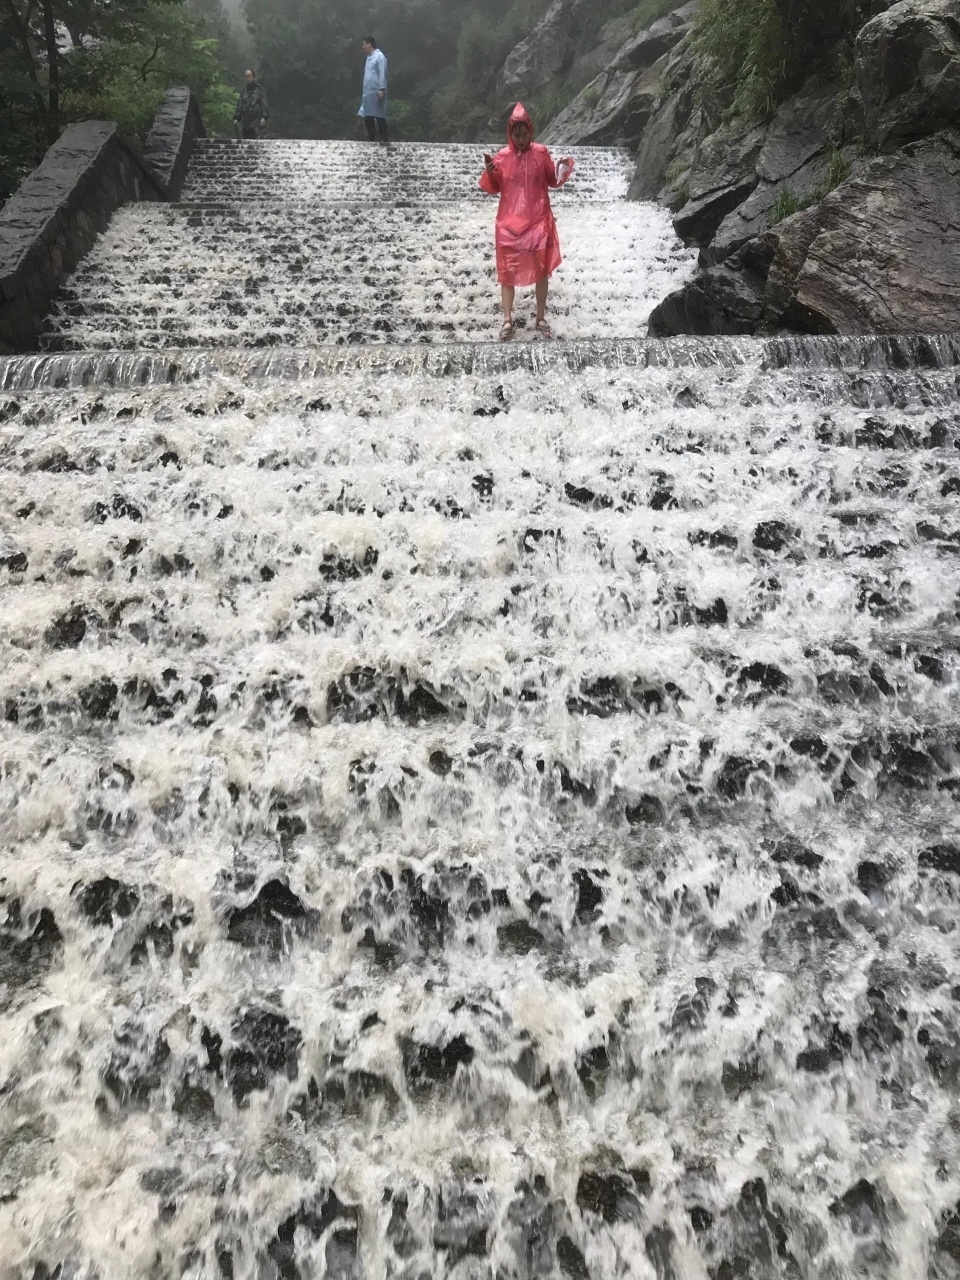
column 59, row 210
column 176, row 127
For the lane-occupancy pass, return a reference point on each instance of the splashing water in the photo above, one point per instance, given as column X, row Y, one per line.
column 480, row 813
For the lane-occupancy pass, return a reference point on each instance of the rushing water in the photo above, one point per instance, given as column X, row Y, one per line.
column 481, row 814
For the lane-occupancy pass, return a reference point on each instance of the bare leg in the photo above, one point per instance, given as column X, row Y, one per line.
column 507, row 295
column 541, row 289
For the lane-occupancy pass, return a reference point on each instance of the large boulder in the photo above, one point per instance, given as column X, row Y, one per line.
column 908, row 70
column 881, row 254
column 793, row 165
column 724, row 174
column 724, row 299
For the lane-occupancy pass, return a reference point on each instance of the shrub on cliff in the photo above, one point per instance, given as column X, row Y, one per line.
column 745, row 42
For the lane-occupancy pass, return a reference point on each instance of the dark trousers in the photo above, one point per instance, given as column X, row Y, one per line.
column 251, row 130
column 376, row 128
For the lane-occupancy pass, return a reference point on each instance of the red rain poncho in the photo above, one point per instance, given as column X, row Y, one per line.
column 528, row 247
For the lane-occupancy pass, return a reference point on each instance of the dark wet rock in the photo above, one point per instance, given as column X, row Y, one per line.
column 818, row 1058
column 648, row 811
column 270, row 919
column 265, row 1045
column 119, row 508
column 760, row 1232
column 137, row 1069
column 31, row 944
column 68, row 629
column 948, row 1241
column 691, row 1011
column 773, row 535
column 908, row 70
column 734, row 776
column 430, row 912
column 765, row 676
column 658, row 1245
column 831, row 269
column 589, row 896
column 520, row 937
column 878, row 1033
column 335, row 568
column 789, row 894
column 325, row 1213
column 873, row 877
column 943, row 858
column 940, row 1039
column 609, row 1194
column 428, row 1065
column 105, row 901
column 593, row 1068
column 571, row 1260
column 908, row 764
column 15, row 562
column 701, row 1219
column 194, row 1102
column 99, row 698
column 861, row 1207
column 157, row 939
column 462, row 1224
column 740, row 1077
column 440, row 763
column 723, row 299
column 723, row 177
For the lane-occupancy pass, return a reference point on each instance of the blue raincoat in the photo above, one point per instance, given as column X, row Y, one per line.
column 374, row 79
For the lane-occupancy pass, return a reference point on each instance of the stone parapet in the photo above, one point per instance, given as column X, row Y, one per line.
column 54, row 218
column 176, row 127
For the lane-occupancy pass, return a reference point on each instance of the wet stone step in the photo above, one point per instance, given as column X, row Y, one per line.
column 255, row 278
column 293, row 171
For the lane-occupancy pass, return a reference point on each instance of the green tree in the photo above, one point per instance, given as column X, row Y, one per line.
column 68, row 60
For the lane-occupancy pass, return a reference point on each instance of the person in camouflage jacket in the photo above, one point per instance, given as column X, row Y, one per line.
column 252, row 111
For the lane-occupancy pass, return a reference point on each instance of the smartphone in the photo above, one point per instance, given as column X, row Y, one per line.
column 487, row 159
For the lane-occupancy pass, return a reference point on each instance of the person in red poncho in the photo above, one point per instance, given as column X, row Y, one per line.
column 528, row 247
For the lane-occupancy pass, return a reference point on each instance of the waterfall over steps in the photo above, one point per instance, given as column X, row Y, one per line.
column 469, row 811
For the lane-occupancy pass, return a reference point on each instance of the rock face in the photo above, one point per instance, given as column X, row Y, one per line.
column 543, row 57
column 880, row 254
column 882, row 251
column 799, row 227
column 616, row 106
column 908, row 70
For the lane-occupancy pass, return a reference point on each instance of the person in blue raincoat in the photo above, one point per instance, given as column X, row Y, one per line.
column 373, row 108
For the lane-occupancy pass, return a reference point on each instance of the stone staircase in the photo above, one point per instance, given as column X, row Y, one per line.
column 467, row 810
column 304, row 243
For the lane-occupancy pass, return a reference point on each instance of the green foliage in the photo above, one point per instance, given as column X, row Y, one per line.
column 786, row 206
column 837, row 171
column 744, row 40
column 111, row 59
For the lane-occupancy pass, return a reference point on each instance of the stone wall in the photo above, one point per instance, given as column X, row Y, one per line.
column 176, row 127
column 56, row 215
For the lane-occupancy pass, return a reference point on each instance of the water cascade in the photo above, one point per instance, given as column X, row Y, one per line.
column 469, row 812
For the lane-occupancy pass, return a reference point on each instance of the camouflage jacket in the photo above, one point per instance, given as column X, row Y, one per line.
column 251, row 105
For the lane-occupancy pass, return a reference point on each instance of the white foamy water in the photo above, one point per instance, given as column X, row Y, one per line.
column 498, row 822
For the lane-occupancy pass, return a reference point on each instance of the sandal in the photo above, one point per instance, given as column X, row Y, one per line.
column 506, row 331
column 543, row 329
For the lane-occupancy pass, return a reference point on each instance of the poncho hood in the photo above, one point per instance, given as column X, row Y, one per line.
column 520, row 115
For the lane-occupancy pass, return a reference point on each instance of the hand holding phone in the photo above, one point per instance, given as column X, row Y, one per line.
column 488, row 160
